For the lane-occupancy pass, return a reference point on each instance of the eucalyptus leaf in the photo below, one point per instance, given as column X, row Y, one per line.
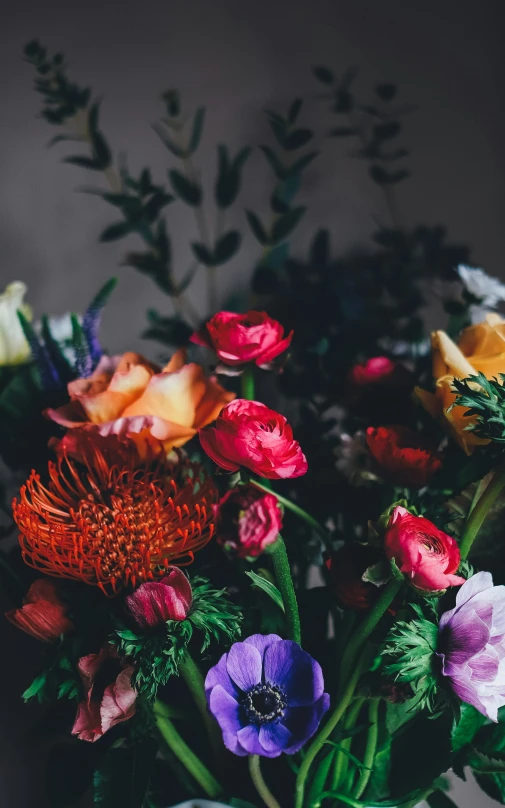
column 187, row 190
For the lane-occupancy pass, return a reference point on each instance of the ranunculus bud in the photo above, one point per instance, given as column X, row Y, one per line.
column 249, row 434
column 155, row 602
column 377, row 370
column 43, row 615
column 239, row 339
column 402, row 455
column 247, row 521
column 347, row 567
column 428, row 556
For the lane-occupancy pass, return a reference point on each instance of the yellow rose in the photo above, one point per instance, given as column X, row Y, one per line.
column 480, row 348
column 14, row 348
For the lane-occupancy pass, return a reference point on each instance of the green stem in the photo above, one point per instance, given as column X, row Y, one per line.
column 291, row 506
column 345, row 746
column 370, row 748
column 187, row 757
column 284, row 580
column 247, row 383
column 338, row 798
column 191, row 674
column 353, row 665
column 479, row 512
column 259, row 783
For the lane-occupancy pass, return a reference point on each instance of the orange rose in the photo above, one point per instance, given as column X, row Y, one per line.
column 127, row 396
column 481, row 348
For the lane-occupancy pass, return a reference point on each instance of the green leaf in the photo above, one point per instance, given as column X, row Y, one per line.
column 294, row 110
column 167, row 141
column 464, row 730
column 196, row 130
column 257, row 227
column 266, row 586
column 203, row 254
column 116, row 231
column 186, row 189
column 285, row 224
column 229, row 176
column 275, row 162
column 226, row 247
column 36, row 688
column 324, row 75
column 487, row 763
column 83, row 162
column 297, row 139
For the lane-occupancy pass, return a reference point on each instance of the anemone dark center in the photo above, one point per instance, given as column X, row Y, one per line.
column 264, row 703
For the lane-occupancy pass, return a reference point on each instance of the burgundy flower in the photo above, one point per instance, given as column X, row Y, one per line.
column 347, row 567
column 155, row 602
column 248, row 433
column 109, row 695
column 402, row 455
column 247, row 521
column 44, row 615
column 427, row 555
column 238, row 339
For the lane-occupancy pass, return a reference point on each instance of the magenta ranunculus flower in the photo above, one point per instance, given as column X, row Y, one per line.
column 239, row 339
column 472, row 644
column 249, row 434
column 155, row 602
column 247, row 521
column 109, row 695
column 267, row 695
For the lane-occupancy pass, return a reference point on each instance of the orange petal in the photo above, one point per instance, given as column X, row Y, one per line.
column 212, row 402
column 173, row 397
column 123, row 389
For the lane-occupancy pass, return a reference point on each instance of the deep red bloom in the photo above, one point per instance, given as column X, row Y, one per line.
column 238, row 339
column 346, row 567
column 114, row 526
column 109, row 695
column 248, row 433
column 44, row 615
column 247, row 521
column 377, row 370
column 403, row 455
column 155, row 602
column 428, row 556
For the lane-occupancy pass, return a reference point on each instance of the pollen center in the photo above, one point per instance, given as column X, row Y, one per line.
column 264, row 703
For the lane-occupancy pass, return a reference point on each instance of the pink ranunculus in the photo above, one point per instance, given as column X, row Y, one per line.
column 428, row 556
column 44, row 615
column 247, row 521
column 377, row 370
column 249, row 434
column 109, row 695
column 155, row 602
column 238, row 339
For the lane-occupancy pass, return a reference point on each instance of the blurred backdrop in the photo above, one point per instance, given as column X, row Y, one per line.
column 235, row 57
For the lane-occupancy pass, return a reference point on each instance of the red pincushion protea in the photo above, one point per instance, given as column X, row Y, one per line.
column 403, row 455
column 114, row 526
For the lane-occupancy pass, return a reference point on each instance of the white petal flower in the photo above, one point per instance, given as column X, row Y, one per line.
column 488, row 291
column 14, row 348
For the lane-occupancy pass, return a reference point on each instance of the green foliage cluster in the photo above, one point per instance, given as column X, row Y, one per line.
column 484, row 400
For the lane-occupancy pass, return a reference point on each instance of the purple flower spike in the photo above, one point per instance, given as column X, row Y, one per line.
column 472, row 644
column 267, row 695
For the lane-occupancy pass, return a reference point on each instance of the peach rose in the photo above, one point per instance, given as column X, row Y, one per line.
column 129, row 397
column 481, row 348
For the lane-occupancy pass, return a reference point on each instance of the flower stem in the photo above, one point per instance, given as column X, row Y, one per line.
column 353, row 665
column 187, row 757
column 259, row 783
column 191, row 674
column 340, row 767
column 370, row 748
column 247, row 382
column 291, row 506
column 480, row 511
column 284, row 580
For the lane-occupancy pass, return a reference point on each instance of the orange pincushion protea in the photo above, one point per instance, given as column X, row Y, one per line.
column 113, row 526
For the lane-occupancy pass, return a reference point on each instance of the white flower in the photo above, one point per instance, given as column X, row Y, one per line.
column 14, row 348
column 353, row 459
column 488, row 291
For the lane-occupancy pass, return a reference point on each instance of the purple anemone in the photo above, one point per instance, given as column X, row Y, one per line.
column 267, row 695
column 472, row 644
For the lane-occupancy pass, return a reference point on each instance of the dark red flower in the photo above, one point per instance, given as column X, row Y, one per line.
column 155, row 602
column 44, row 615
column 247, row 521
column 346, row 567
column 403, row 456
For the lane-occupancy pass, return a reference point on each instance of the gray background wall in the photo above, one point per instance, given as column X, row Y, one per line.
column 235, row 56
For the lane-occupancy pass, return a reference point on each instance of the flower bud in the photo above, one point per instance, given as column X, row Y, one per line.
column 155, row 602
column 247, row 521
column 43, row 615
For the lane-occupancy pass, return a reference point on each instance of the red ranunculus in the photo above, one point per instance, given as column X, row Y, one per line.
column 428, row 556
column 402, row 455
column 155, row 602
column 247, row 521
column 347, row 567
column 109, row 695
column 238, row 339
column 248, row 433
column 43, row 615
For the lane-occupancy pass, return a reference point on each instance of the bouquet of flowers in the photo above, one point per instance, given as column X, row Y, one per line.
column 227, row 608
